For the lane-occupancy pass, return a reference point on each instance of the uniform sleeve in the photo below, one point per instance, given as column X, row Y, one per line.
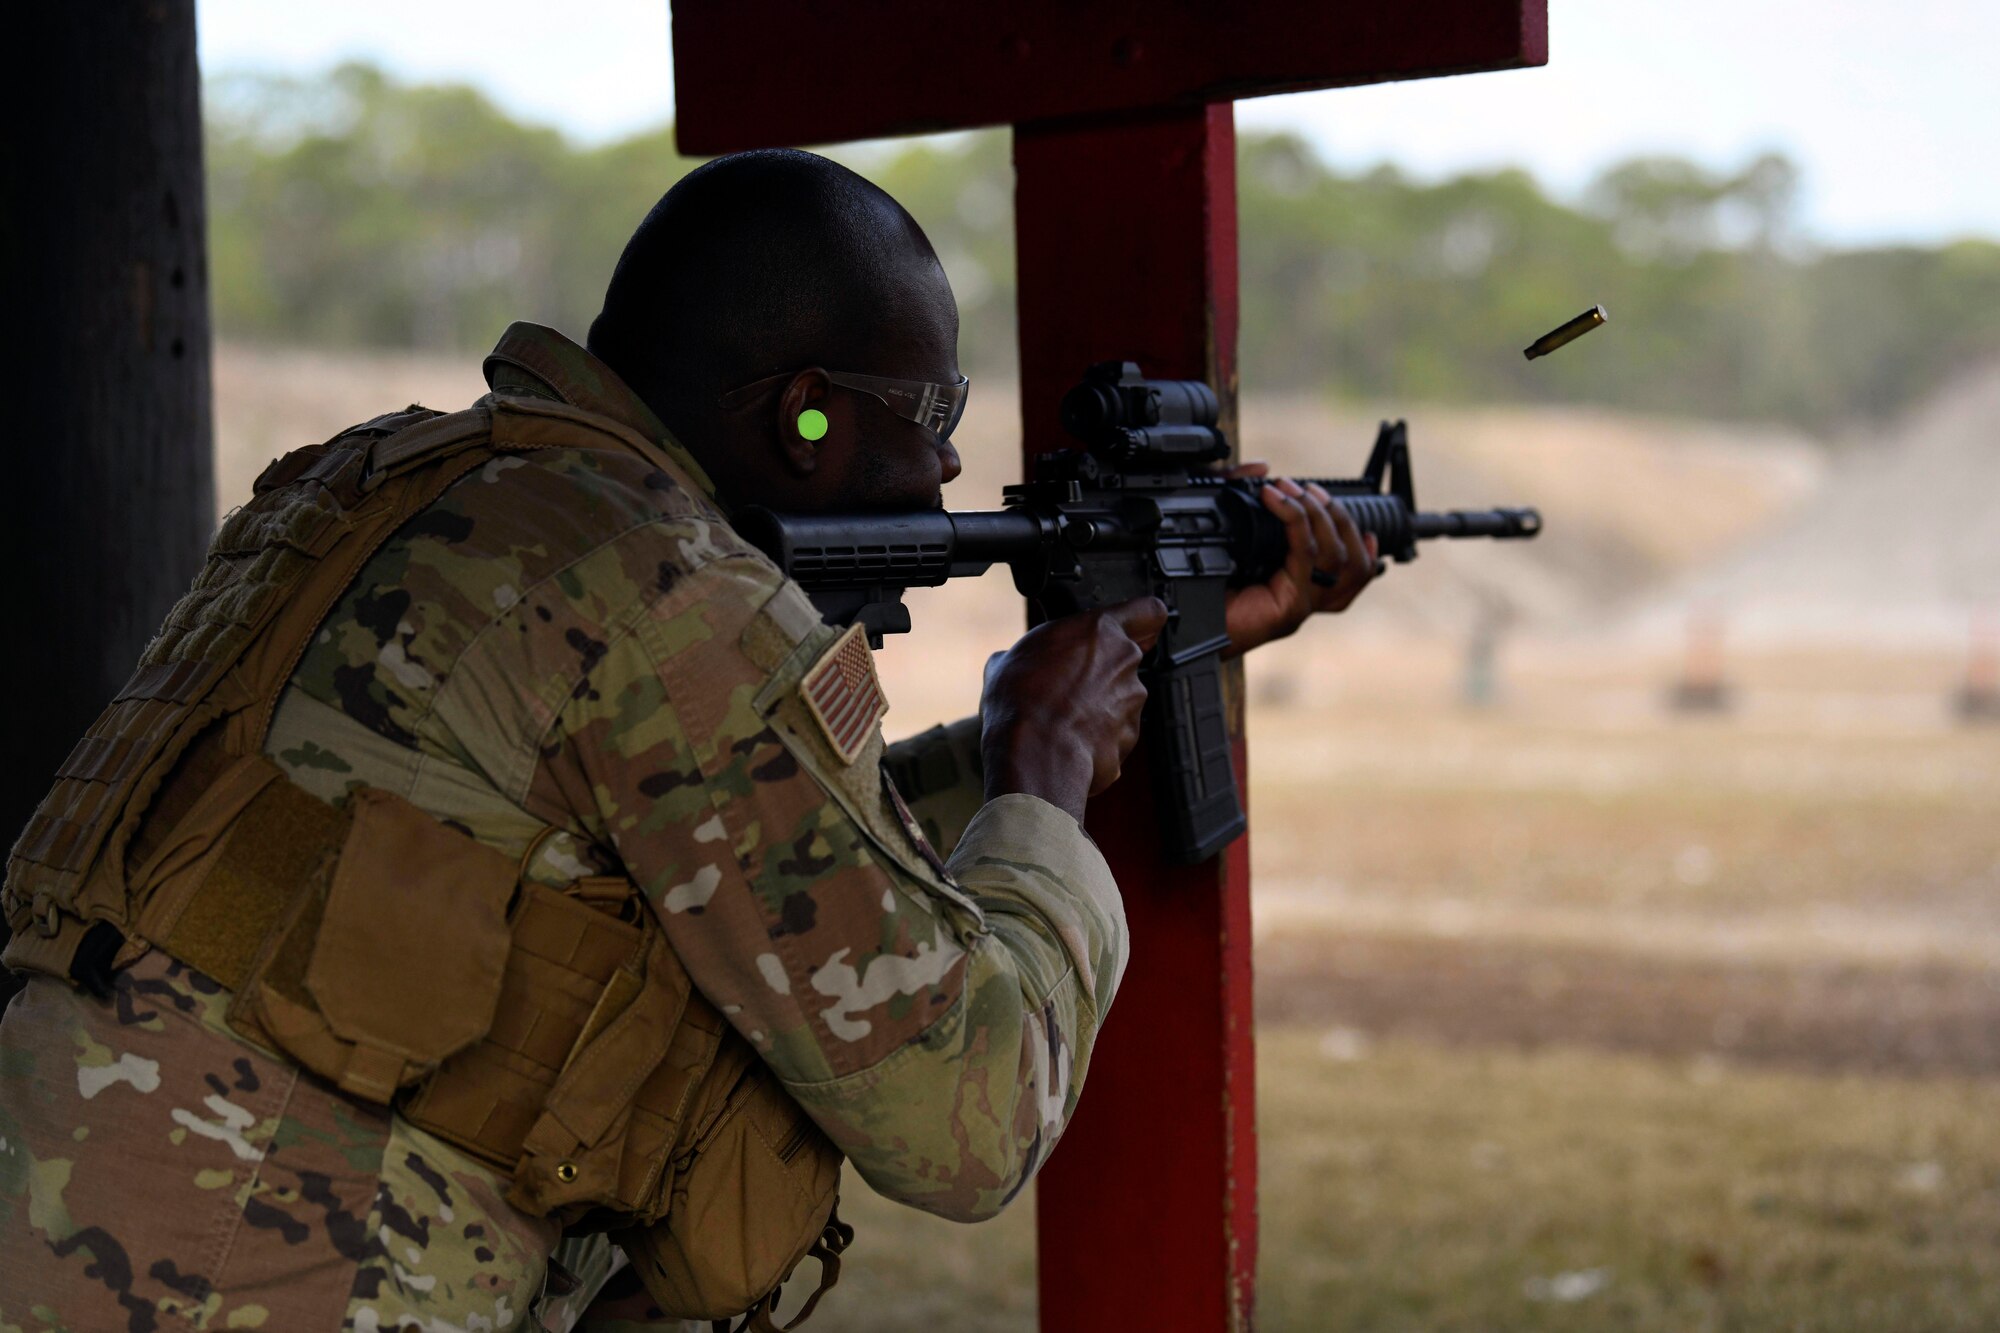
column 935, row 1018
column 938, row 771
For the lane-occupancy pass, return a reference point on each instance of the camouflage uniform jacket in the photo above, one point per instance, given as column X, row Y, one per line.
column 578, row 640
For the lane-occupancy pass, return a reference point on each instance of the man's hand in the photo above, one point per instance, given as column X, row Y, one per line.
column 1322, row 541
column 1061, row 708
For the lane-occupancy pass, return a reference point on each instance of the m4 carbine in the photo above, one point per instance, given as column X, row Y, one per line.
column 1135, row 512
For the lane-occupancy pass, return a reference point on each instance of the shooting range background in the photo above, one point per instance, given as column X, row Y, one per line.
column 1628, row 903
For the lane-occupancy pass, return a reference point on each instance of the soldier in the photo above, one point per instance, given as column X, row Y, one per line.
column 493, row 843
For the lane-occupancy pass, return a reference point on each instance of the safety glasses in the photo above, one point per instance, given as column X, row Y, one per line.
column 934, row 406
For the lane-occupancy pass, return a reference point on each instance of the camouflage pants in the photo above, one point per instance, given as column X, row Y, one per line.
column 158, row 1173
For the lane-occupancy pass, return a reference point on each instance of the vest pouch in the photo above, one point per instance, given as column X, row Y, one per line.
column 608, row 1125
column 392, row 959
column 751, row 1195
column 570, row 970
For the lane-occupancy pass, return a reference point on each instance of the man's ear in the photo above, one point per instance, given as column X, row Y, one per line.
column 800, row 437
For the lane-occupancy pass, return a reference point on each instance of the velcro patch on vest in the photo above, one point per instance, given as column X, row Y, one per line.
column 843, row 695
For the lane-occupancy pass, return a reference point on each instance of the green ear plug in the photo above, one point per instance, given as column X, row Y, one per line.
column 812, row 423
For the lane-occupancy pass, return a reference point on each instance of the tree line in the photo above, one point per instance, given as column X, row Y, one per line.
column 354, row 210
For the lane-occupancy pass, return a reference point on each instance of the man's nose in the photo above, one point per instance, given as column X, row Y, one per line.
column 949, row 465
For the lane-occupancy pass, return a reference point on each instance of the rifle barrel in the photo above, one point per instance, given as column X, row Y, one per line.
column 1477, row 523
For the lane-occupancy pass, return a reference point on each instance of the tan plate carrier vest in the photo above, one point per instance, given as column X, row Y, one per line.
column 551, row 1033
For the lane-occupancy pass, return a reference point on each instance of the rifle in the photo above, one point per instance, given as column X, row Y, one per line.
column 1135, row 511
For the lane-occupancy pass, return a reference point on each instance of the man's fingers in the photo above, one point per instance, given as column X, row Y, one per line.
column 1142, row 618
column 1254, row 468
column 1355, row 569
column 1343, row 522
column 1300, row 548
column 1360, row 572
column 1359, row 557
column 1332, row 539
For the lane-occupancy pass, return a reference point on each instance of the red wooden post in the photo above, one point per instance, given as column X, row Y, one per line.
column 1126, row 235
column 1126, row 214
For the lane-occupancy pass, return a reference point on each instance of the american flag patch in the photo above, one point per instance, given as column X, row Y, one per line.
column 844, row 696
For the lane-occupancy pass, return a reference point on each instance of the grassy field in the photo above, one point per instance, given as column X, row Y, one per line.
column 1414, row 1187
column 1576, row 1014
column 1410, row 1186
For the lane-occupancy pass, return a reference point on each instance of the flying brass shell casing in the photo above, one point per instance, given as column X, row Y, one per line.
column 1568, row 333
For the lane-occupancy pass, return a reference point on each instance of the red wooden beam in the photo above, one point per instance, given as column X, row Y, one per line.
column 1147, row 1212
column 755, row 73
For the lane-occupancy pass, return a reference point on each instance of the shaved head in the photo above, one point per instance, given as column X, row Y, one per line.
column 766, row 262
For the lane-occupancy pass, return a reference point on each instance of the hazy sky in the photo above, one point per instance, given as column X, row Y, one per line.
column 1893, row 112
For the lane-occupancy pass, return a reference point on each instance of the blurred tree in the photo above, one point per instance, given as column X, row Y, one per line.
column 352, row 209
column 355, row 210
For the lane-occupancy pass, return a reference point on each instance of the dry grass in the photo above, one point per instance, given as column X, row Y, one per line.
column 1450, row 1190
column 1828, row 817
column 1578, row 1014
column 1412, row 1187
